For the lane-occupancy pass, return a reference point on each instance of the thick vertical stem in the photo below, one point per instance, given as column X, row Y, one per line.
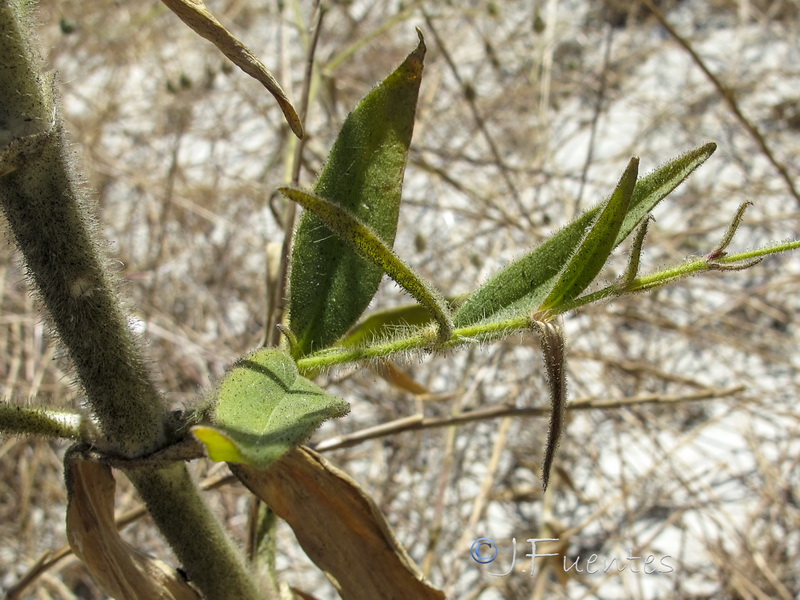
column 208, row 556
column 52, row 222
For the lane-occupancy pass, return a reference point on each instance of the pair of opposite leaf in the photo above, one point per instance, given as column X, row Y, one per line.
column 342, row 248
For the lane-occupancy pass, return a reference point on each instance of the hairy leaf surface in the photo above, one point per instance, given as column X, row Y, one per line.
column 367, row 244
column 596, row 247
column 521, row 287
column 330, row 284
column 264, row 409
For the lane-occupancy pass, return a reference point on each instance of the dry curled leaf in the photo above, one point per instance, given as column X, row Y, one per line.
column 122, row 571
column 195, row 14
column 339, row 527
column 552, row 338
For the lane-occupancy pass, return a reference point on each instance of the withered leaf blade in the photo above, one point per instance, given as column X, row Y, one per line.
column 122, row 571
column 195, row 14
column 552, row 338
column 339, row 526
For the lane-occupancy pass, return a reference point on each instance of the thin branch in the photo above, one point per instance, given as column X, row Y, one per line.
column 469, row 96
column 598, row 109
column 729, row 98
column 276, row 303
column 418, row 422
column 482, row 499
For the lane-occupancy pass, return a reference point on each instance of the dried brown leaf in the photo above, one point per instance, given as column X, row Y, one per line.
column 553, row 353
column 122, row 571
column 399, row 378
column 339, row 526
column 195, row 14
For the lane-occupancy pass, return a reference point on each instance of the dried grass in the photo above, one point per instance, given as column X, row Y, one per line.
column 185, row 154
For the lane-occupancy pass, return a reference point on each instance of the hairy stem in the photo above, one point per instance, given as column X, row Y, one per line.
column 495, row 330
column 53, row 225
column 208, row 556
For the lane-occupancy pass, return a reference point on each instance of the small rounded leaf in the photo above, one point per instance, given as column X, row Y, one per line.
column 265, row 408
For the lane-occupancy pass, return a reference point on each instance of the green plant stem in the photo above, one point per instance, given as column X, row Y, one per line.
column 206, row 552
column 54, row 227
column 53, row 224
column 493, row 330
column 662, row 278
column 41, row 422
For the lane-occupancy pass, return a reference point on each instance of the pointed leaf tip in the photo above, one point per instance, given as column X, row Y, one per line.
column 596, row 247
column 422, row 48
column 331, row 285
column 520, row 288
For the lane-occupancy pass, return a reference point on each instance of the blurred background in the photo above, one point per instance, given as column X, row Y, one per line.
column 683, row 443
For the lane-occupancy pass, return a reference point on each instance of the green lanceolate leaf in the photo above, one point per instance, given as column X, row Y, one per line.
column 521, row 287
column 595, row 248
column 264, row 409
column 330, row 284
column 367, row 244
